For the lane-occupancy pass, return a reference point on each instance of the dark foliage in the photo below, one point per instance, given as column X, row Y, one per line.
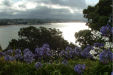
column 31, row 37
column 99, row 14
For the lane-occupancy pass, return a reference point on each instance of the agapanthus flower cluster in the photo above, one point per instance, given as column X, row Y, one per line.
column 43, row 51
column 70, row 53
column 98, row 44
column 112, row 73
column 112, row 30
column 38, row 65
column 68, row 48
column 64, row 54
column 8, row 55
column 106, row 30
column 18, row 54
column 77, row 51
column 28, row 56
column 9, row 58
column 46, row 49
column 86, row 52
column 79, row 68
column 2, row 54
column 106, row 56
column 9, row 52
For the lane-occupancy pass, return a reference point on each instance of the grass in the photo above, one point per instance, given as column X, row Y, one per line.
column 19, row 68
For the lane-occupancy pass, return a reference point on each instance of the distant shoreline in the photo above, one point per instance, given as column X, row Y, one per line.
column 45, row 23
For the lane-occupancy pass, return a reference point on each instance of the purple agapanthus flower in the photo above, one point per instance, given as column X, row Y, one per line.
column 112, row 30
column 98, row 44
column 64, row 53
column 71, row 53
column 18, row 51
column 43, row 51
column 45, row 46
column 106, row 56
column 18, row 54
column 28, row 56
column 9, row 52
column 112, row 73
column 18, row 57
column 77, row 51
column 2, row 54
column 68, row 48
column 79, row 68
column 106, row 30
column 38, row 65
column 9, row 58
column 85, row 53
column 26, row 50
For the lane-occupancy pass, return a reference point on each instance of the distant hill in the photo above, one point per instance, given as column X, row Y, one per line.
column 33, row 21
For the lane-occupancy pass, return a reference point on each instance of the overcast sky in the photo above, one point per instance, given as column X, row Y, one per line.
column 58, row 9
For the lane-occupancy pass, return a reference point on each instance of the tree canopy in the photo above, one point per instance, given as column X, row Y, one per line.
column 84, row 37
column 87, row 37
column 31, row 37
column 99, row 14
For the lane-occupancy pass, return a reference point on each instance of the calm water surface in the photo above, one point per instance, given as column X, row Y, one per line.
column 68, row 30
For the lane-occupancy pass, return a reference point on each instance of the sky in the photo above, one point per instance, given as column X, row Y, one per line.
column 44, row 9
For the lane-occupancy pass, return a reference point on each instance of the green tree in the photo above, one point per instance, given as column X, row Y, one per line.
column 31, row 37
column 84, row 37
column 99, row 14
column 97, row 17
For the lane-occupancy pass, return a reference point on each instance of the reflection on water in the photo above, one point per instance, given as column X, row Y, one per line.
column 9, row 32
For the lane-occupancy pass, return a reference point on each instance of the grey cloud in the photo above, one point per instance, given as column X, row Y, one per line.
column 71, row 3
column 22, row 6
column 44, row 12
column 7, row 3
column 5, row 15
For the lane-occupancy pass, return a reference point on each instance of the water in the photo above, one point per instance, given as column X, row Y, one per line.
column 68, row 30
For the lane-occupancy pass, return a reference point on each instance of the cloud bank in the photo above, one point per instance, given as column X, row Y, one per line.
column 43, row 9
